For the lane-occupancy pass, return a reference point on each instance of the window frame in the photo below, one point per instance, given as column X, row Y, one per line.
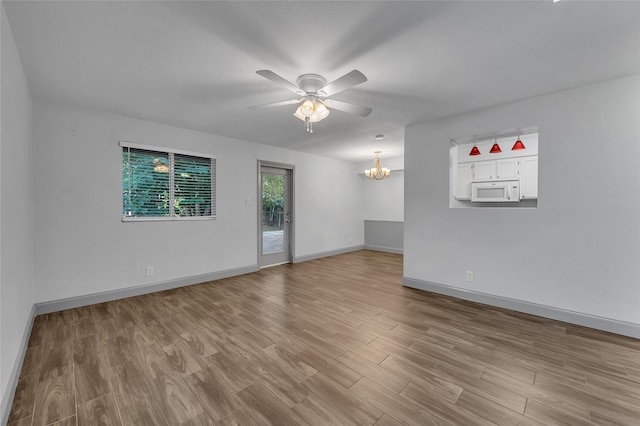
column 170, row 152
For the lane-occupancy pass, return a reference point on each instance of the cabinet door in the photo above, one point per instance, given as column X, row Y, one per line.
column 508, row 168
column 529, row 180
column 464, row 177
column 484, row 170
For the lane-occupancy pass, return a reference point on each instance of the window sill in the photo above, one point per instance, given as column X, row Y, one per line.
column 167, row 218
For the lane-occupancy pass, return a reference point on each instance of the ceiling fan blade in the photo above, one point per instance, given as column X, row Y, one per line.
column 276, row 104
column 347, row 81
column 272, row 76
column 350, row 108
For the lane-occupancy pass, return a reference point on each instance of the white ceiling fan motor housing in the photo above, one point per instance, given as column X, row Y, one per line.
column 311, row 83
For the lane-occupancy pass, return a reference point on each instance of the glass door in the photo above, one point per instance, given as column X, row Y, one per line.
column 275, row 211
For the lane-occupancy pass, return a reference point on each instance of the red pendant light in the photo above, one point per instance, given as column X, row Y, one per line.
column 518, row 145
column 495, row 148
column 474, row 150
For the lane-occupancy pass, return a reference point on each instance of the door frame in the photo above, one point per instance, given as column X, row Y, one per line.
column 290, row 233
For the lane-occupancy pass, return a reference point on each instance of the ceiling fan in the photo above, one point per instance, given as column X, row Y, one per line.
column 313, row 91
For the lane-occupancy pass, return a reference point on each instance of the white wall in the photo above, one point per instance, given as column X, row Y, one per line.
column 580, row 249
column 16, row 230
column 82, row 247
column 384, row 199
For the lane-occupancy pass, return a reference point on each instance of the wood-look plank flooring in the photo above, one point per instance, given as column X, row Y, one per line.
column 332, row 341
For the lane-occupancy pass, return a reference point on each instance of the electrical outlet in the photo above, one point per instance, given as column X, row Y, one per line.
column 470, row 276
column 350, row 240
column 150, row 270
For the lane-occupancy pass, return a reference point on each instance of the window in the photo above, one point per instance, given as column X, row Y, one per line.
column 160, row 184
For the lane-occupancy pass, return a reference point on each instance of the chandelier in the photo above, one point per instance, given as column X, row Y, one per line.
column 377, row 172
column 311, row 110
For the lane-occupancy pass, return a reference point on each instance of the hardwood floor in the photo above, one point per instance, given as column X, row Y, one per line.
column 332, row 341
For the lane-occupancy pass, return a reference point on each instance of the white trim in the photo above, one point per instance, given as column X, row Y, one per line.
column 107, row 296
column 298, row 259
column 578, row 318
column 14, row 376
column 126, row 144
column 273, row 264
column 164, row 218
column 384, row 249
column 525, row 131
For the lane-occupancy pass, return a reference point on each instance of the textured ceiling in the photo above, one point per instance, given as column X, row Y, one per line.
column 192, row 64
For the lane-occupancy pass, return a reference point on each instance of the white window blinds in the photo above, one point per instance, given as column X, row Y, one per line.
column 162, row 184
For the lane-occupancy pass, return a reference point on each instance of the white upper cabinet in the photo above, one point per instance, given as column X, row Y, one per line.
column 484, row 170
column 508, row 168
column 464, row 176
column 529, row 179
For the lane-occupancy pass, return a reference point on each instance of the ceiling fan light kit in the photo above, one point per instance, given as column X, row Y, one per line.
column 311, row 110
column 314, row 106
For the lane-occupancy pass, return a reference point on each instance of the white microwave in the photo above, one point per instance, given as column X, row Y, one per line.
column 495, row 191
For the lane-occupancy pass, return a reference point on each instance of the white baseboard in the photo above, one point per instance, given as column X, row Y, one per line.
column 298, row 259
column 12, row 384
column 578, row 318
column 384, row 249
column 107, row 296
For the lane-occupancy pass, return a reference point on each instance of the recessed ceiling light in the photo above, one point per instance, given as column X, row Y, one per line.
column 379, row 137
column 556, row 1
